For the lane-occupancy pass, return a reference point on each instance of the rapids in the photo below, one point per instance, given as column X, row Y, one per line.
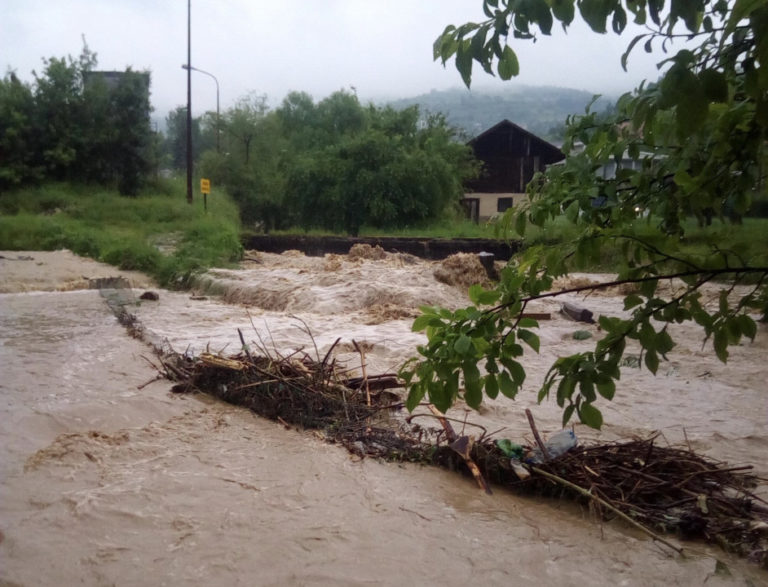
column 109, row 479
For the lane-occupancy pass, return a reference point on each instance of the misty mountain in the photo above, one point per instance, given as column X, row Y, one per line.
column 541, row 110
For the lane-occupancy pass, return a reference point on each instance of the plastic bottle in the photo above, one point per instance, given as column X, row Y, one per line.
column 557, row 444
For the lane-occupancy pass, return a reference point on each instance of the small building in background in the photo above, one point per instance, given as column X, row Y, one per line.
column 510, row 156
column 112, row 79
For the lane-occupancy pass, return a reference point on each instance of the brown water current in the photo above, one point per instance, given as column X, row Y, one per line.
column 106, row 481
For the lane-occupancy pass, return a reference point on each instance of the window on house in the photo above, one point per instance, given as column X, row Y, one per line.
column 503, row 204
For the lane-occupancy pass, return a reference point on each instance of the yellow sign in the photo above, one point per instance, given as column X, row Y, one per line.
column 205, row 186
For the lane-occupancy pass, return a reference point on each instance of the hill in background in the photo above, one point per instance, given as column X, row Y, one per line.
column 541, row 110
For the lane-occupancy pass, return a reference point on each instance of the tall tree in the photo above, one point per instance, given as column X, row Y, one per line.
column 250, row 166
column 132, row 140
column 59, row 107
column 18, row 133
column 242, row 122
column 373, row 166
column 75, row 124
column 175, row 144
column 698, row 136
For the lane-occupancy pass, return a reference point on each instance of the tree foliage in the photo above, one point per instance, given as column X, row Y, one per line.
column 698, row 138
column 175, row 139
column 338, row 164
column 70, row 124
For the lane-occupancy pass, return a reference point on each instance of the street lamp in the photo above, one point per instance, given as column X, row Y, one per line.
column 218, row 118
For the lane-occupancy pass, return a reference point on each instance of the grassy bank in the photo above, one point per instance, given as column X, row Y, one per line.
column 160, row 234
column 748, row 240
column 446, row 228
column 157, row 232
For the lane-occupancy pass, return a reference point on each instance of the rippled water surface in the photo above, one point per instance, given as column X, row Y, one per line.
column 107, row 478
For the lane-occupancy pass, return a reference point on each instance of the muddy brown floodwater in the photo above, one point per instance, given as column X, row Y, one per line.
column 105, row 482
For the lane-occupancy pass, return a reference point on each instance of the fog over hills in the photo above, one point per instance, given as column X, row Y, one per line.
column 541, row 110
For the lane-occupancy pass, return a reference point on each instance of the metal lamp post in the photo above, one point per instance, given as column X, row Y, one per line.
column 218, row 117
column 189, row 102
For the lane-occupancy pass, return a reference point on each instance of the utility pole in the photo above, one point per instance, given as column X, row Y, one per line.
column 189, row 101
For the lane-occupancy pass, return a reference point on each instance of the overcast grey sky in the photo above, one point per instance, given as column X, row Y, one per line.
column 381, row 47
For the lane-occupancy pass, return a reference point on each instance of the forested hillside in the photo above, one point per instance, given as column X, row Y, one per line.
column 541, row 110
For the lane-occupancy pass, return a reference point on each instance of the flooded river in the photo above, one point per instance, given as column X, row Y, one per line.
column 109, row 479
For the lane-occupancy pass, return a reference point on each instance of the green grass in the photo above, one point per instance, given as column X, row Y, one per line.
column 98, row 223
column 448, row 228
column 130, row 232
column 748, row 240
column 459, row 228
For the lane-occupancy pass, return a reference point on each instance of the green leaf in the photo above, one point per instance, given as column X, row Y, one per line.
column 463, row 345
column 631, row 46
column 529, row 338
column 587, row 389
column 425, row 320
column 654, row 7
column 748, row 326
column 491, row 386
column 741, row 10
column 648, row 288
column 471, row 372
column 723, row 302
column 647, row 335
column 516, row 370
column 474, row 292
column 591, row 416
column 543, row 16
column 473, row 393
column 464, row 61
column 441, row 41
column 565, row 389
column 619, row 21
column 652, row 361
column 572, row 212
column 506, row 386
column 631, row 301
column 568, row 413
column 714, row 84
column 563, row 11
column 521, row 220
column 415, row 395
column 607, row 388
column 720, row 341
column 528, row 323
column 595, row 13
column 478, row 42
column 488, row 297
column 692, row 113
column 508, row 66
column 664, row 342
column 439, row 396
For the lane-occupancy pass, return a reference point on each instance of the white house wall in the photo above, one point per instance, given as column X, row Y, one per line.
column 489, row 203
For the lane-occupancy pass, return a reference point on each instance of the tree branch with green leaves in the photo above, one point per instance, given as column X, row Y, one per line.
column 697, row 141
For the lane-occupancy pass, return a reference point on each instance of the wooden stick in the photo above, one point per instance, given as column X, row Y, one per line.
column 245, row 346
column 462, row 446
column 535, row 431
column 535, row 315
column 361, row 350
column 607, row 505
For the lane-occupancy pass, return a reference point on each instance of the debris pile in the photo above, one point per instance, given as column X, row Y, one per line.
column 366, row 251
column 462, row 270
column 654, row 487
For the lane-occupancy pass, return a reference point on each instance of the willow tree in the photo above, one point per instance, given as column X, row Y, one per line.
column 698, row 139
